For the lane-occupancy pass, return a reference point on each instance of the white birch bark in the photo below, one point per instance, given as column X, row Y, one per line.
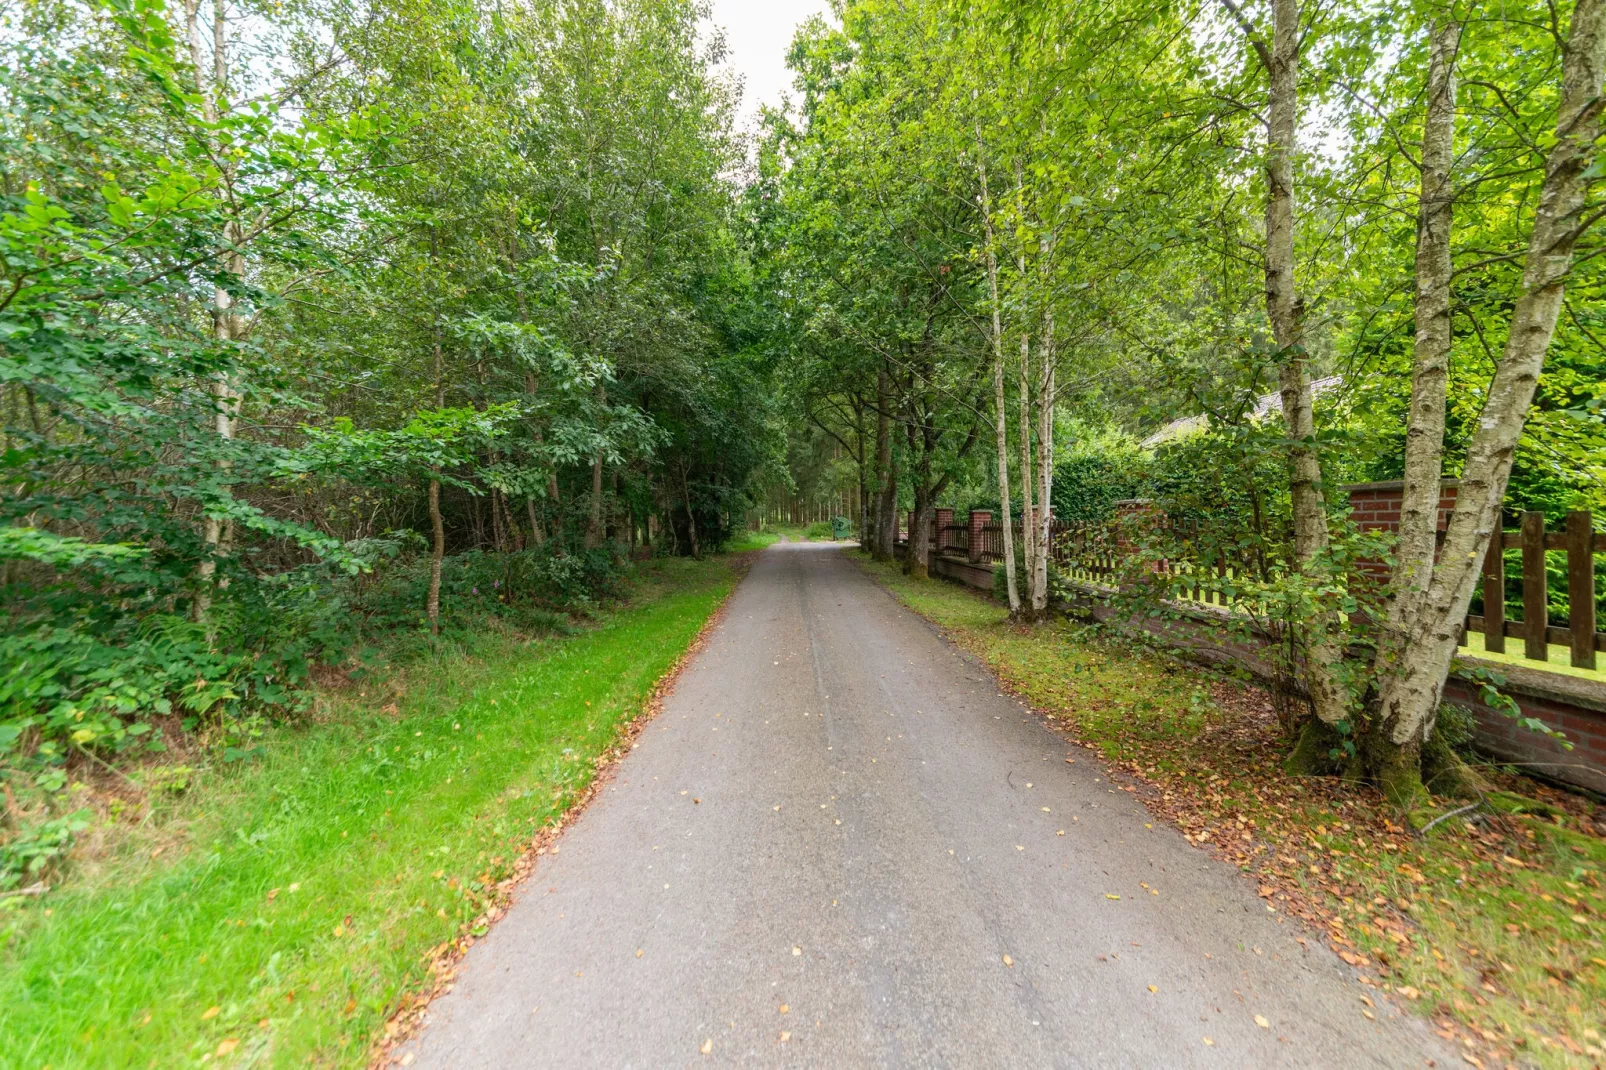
column 211, row 84
column 1045, row 465
column 1410, row 694
column 1285, row 311
column 1028, row 526
column 1001, row 425
column 1424, row 435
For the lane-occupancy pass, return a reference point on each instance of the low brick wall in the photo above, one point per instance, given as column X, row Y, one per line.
column 1576, row 708
column 972, row 573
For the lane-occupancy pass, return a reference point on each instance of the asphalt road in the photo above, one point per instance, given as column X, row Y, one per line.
column 839, row 845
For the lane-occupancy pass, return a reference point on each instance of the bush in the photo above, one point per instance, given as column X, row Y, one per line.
column 95, row 682
column 1097, row 468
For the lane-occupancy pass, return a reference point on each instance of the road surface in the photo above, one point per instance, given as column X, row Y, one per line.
column 838, row 845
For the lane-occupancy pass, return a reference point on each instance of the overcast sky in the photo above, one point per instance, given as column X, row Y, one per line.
column 758, row 33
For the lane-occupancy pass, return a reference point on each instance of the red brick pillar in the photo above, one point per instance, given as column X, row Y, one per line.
column 979, row 519
column 944, row 517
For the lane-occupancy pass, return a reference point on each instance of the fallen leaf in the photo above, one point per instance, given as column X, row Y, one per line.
column 797, row 951
column 1061, row 832
column 1009, row 962
column 786, row 1009
column 638, row 952
column 1409, row 992
column 1260, row 1020
column 1154, row 988
column 1111, row 895
column 227, row 1045
column 785, row 1036
column 708, row 1045
column 1209, row 1042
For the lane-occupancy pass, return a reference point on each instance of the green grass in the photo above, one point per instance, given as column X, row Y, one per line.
column 1497, row 929
column 752, row 540
column 1559, row 658
column 278, row 910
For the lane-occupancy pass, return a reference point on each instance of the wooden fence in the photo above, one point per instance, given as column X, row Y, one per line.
column 1099, row 553
column 1579, row 542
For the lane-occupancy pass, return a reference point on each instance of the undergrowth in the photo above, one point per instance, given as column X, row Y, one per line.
column 275, row 911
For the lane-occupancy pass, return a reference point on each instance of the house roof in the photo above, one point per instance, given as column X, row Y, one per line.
column 1265, row 405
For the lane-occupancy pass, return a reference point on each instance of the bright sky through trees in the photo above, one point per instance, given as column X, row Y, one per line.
column 757, row 35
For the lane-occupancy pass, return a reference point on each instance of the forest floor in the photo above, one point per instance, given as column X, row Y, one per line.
column 280, row 910
column 1494, row 926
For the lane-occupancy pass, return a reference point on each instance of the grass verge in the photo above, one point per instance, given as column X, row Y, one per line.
column 1496, row 927
column 277, row 912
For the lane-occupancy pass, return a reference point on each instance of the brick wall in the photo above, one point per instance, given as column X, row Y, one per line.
column 1376, row 507
column 1560, row 702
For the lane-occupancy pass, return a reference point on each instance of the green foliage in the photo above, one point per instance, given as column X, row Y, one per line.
column 1095, row 466
column 31, row 855
column 253, row 305
column 420, row 784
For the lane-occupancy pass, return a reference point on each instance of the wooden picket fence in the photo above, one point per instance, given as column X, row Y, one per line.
column 1580, row 543
column 1098, row 554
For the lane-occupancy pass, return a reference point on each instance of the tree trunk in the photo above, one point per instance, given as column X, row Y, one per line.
column 1424, row 434
column 886, row 509
column 1028, row 519
column 432, row 601
column 1285, row 310
column 536, row 534
column 917, row 562
column 691, row 517
column 432, row 604
column 1045, row 470
column 1409, row 693
column 1000, row 417
column 499, row 536
column 594, row 525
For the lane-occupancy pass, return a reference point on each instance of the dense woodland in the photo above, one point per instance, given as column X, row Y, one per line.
column 332, row 324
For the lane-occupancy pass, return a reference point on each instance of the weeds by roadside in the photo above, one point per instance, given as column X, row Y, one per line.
column 1494, row 924
column 276, row 910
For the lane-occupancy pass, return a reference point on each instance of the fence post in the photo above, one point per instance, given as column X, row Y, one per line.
column 979, row 519
column 1581, row 588
column 1494, row 592
column 1535, row 613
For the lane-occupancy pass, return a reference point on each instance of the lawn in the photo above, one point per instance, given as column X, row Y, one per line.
column 1495, row 927
column 276, row 912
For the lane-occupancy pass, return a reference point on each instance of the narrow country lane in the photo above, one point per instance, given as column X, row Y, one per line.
column 838, row 846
